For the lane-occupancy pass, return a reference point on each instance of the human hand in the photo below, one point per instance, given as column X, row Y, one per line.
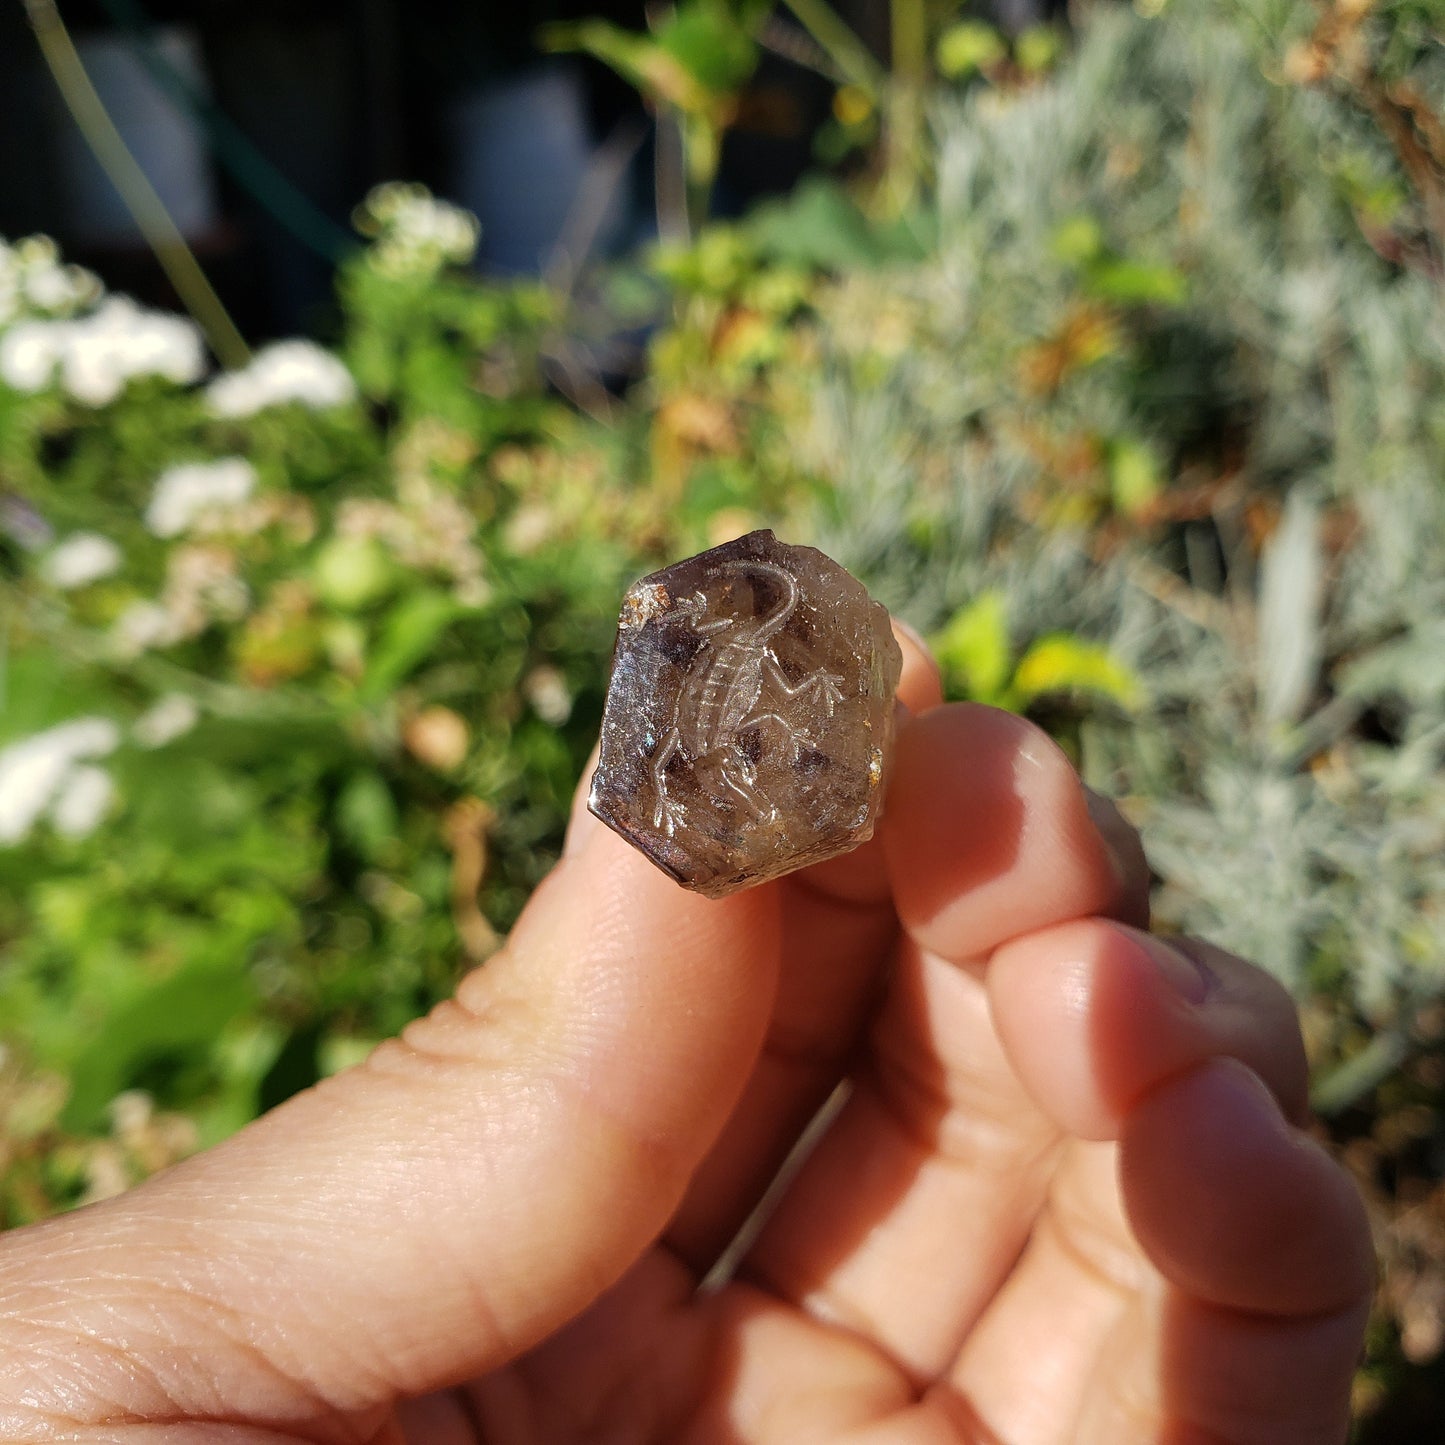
column 1067, row 1198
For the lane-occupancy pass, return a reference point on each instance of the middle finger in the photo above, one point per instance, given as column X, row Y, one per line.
column 989, row 836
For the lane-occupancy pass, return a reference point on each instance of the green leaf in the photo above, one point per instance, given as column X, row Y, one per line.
column 408, row 636
column 1079, row 241
column 1137, row 283
column 1038, row 49
column 181, row 1015
column 1063, row 663
column 820, row 226
column 968, row 46
column 622, row 50
column 711, row 44
column 973, row 649
column 1136, row 477
column 367, row 816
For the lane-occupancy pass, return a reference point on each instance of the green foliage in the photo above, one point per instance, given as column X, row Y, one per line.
column 969, row 46
column 1151, row 316
column 694, row 63
column 975, row 654
column 334, row 692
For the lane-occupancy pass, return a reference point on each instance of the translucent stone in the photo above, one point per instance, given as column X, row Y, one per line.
column 750, row 714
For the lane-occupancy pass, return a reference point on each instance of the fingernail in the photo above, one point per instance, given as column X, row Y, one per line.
column 1189, row 977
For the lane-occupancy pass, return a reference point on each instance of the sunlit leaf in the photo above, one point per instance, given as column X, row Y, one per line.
column 1061, row 663
column 1038, row 48
column 1135, row 476
column 973, row 649
column 968, row 47
column 1137, row 282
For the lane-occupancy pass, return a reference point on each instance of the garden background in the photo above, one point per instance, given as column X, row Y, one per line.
column 1112, row 356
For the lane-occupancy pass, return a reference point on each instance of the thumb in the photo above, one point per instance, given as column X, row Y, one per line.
column 435, row 1211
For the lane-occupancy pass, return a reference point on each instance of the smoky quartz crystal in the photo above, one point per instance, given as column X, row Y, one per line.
column 749, row 716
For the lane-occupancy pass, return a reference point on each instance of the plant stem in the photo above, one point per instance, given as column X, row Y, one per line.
column 1359, row 1075
column 162, row 236
column 669, row 178
column 909, row 39
column 852, row 58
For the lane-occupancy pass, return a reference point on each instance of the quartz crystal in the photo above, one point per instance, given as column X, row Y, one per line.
column 749, row 715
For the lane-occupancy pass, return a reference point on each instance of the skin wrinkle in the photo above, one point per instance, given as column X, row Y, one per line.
column 961, row 1415
column 965, row 1138
column 102, row 1369
column 860, row 1384
column 373, row 1365
column 968, row 1118
column 826, row 1300
column 827, row 1308
column 1086, row 1248
column 192, row 1378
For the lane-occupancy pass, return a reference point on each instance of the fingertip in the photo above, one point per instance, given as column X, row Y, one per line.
column 1088, row 1020
column 988, row 833
column 1126, row 849
column 582, row 822
column 1235, row 1206
column 1094, row 1014
column 921, row 685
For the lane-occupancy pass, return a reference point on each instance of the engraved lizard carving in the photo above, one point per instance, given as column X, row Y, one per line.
column 717, row 703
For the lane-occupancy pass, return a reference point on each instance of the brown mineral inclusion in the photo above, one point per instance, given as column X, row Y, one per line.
column 749, row 715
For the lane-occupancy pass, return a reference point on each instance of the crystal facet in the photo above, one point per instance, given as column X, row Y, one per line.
column 749, row 716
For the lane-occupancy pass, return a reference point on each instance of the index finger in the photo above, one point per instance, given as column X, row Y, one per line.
column 914, row 1206
column 838, row 927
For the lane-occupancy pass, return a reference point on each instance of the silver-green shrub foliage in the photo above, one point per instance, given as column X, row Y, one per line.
column 1162, row 187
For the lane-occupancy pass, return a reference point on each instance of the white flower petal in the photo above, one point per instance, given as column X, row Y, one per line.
column 287, row 371
column 35, row 769
column 29, row 778
column 83, row 801
column 81, row 559
column 185, row 493
column 170, row 718
column 30, row 352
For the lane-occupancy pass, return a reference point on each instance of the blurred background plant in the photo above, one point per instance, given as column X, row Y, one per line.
column 1122, row 376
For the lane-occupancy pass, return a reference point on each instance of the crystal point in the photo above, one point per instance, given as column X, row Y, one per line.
column 749, row 716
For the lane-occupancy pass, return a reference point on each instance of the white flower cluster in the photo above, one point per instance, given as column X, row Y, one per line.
column 190, row 493
column 32, row 279
column 82, row 558
column 202, row 586
column 430, row 531
column 169, row 718
column 47, row 774
column 416, row 233
column 96, row 355
column 287, row 371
